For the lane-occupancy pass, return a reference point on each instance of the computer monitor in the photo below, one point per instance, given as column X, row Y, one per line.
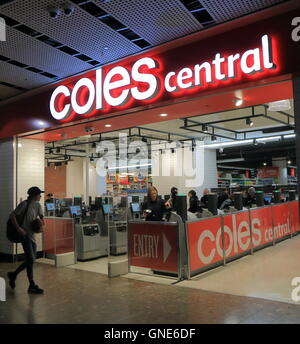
column 68, row 202
column 108, row 200
column 268, row 199
column 107, row 208
column 135, row 207
column 50, row 206
column 98, row 202
column 75, row 210
column 123, row 202
column 77, row 201
column 135, row 199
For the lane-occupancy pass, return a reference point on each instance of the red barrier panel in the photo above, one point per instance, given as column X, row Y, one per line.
column 58, row 235
column 281, row 220
column 262, row 227
column 237, row 234
column 204, row 243
column 153, row 245
column 294, row 215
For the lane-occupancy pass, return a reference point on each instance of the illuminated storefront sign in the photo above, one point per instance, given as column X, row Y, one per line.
column 146, row 80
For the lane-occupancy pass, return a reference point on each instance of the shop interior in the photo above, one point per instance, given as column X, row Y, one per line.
column 246, row 147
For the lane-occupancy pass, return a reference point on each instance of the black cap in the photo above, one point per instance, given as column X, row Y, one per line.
column 34, row 190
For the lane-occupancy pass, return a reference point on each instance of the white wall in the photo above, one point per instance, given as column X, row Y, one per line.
column 7, row 199
column 281, row 163
column 75, row 177
column 165, row 183
column 30, row 172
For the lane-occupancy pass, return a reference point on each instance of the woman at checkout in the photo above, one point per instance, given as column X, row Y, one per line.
column 154, row 208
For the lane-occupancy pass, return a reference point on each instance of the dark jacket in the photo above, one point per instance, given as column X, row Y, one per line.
column 204, row 200
column 194, row 204
column 158, row 209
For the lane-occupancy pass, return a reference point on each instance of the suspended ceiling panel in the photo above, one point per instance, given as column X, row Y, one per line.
column 28, row 50
column 156, row 21
column 7, row 92
column 229, row 9
column 23, row 78
column 68, row 45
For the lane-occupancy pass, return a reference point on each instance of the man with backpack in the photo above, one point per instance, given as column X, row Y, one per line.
column 24, row 219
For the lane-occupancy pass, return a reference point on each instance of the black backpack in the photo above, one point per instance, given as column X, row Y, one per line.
column 11, row 231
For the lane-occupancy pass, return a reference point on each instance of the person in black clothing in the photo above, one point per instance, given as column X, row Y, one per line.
column 154, row 208
column 194, row 202
column 50, row 198
column 250, row 197
column 31, row 210
column 172, row 201
column 224, row 201
column 204, row 198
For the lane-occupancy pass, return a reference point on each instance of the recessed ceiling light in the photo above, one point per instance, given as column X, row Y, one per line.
column 107, row 125
column 163, row 115
column 204, row 128
column 238, row 101
column 249, row 122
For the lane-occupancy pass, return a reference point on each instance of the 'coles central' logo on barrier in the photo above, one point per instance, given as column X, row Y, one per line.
column 143, row 81
column 206, row 240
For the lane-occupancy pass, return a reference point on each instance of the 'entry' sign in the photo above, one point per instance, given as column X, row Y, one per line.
column 153, row 246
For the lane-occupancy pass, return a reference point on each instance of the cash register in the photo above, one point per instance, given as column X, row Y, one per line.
column 89, row 242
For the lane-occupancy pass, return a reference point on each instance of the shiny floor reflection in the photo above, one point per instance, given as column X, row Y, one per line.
column 75, row 296
column 267, row 274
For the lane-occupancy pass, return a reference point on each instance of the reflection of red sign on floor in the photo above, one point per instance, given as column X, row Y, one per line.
column 153, row 246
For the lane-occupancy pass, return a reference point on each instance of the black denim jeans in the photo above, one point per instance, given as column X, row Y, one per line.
column 29, row 248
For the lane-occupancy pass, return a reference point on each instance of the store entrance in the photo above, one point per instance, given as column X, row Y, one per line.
column 94, row 189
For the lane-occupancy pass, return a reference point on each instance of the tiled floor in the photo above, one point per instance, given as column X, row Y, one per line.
column 267, row 274
column 74, row 296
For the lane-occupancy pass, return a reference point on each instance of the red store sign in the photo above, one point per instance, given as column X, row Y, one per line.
column 147, row 80
column 153, row 245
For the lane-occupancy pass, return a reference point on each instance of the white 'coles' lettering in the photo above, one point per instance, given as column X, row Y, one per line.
column 119, row 85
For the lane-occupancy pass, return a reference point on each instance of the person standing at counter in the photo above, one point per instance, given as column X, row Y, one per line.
column 204, row 198
column 154, row 208
column 250, row 197
column 194, row 202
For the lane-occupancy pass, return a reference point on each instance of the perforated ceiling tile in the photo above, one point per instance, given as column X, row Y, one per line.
column 21, row 77
column 25, row 49
column 229, row 9
column 156, row 21
column 7, row 92
column 80, row 31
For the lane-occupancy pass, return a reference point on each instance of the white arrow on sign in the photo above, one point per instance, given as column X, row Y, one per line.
column 167, row 247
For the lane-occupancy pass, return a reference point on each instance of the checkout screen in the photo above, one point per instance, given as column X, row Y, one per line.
column 107, row 208
column 135, row 207
column 75, row 210
column 50, row 206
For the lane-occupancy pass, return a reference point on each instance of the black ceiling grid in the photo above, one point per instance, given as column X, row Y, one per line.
column 199, row 12
column 3, row 2
column 112, row 22
column 2, row 83
column 47, row 40
column 31, row 69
